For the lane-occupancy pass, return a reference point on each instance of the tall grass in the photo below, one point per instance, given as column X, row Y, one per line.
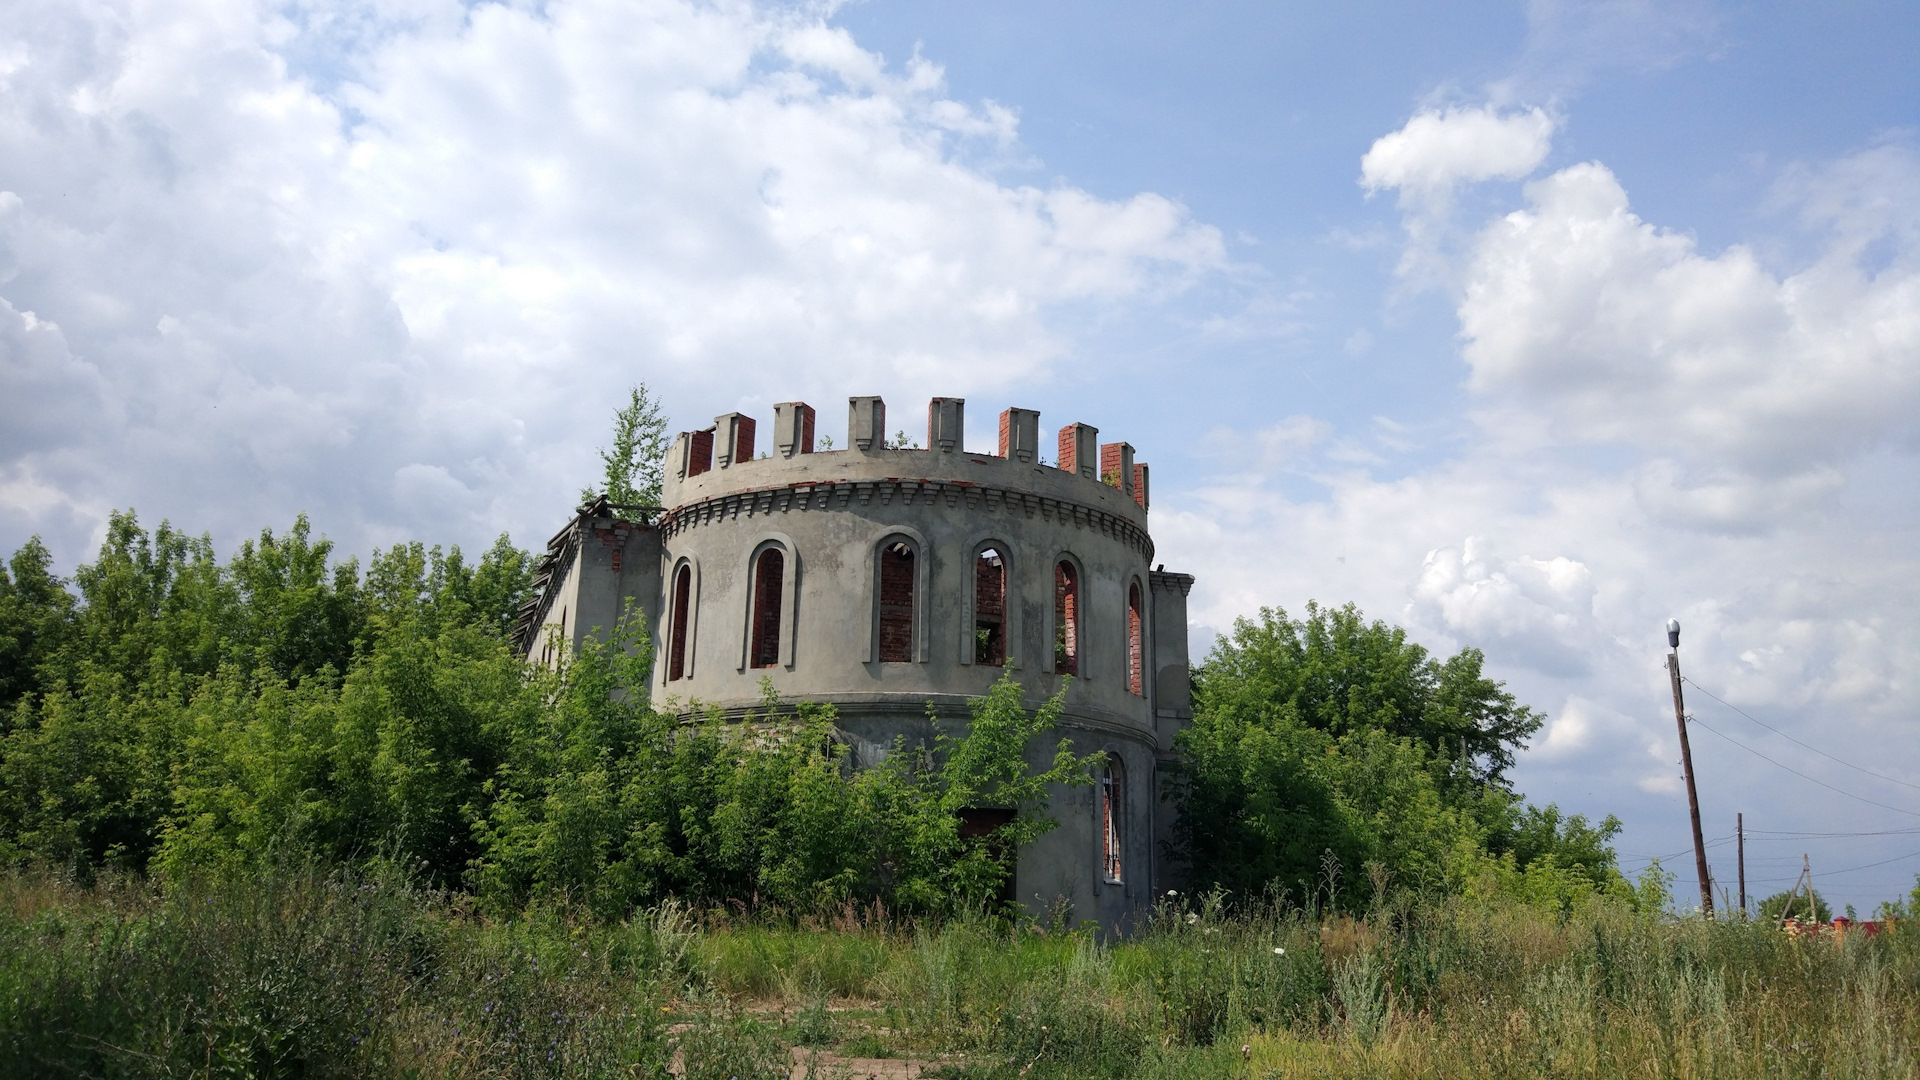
column 301, row 972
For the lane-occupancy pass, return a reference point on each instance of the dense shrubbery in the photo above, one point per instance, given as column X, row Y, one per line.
column 184, row 715
column 188, row 716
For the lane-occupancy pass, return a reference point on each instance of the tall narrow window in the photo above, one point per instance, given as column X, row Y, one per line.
column 990, row 608
column 769, row 575
column 1135, row 681
column 1113, row 793
column 682, row 607
column 896, row 603
column 1066, row 619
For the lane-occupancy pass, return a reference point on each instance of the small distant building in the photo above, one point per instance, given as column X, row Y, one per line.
column 880, row 580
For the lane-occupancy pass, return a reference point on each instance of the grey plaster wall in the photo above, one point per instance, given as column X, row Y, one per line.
column 609, row 563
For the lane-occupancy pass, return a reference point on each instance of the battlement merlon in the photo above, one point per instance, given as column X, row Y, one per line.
column 718, row 460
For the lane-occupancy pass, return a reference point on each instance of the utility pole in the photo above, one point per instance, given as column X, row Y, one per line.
column 1740, row 846
column 1686, row 769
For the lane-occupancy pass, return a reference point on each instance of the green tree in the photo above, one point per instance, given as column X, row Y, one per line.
column 36, row 618
column 1340, row 673
column 635, row 465
column 1330, row 742
column 1773, row 906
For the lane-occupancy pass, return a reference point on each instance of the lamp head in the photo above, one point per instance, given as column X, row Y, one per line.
column 1673, row 633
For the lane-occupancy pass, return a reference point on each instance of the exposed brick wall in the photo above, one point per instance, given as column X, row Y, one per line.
column 1140, row 484
column 1067, row 453
column 743, row 440
column 700, row 457
column 896, row 604
column 768, row 576
column 792, row 428
column 1006, row 432
column 1110, row 464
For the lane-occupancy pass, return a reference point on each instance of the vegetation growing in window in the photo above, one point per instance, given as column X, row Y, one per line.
column 989, row 608
column 1066, row 619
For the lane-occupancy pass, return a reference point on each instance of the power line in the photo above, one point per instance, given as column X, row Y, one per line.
column 1848, row 870
column 1771, row 835
column 1716, row 842
column 1871, row 865
column 1797, row 742
column 1804, row 776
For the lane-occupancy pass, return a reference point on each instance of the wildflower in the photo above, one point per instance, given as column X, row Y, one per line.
column 1192, row 918
column 1173, row 892
column 1278, row 951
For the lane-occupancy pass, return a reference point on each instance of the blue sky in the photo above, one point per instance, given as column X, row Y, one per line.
column 1522, row 325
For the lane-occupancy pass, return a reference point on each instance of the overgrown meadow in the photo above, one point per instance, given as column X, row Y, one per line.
column 297, row 972
column 281, row 816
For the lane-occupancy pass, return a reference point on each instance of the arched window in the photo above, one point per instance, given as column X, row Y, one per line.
column 1113, row 793
column 990, row 608
column 769, row 577
column 1135, row 681
column 682, row 610
column 896, row 602
column 1066, row 619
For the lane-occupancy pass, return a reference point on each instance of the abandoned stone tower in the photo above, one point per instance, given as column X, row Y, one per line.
column 881, row 579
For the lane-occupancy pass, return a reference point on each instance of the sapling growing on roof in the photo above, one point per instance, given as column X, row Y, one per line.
column 636, row 462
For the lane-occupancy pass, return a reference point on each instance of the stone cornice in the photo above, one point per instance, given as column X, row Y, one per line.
column 840, row 495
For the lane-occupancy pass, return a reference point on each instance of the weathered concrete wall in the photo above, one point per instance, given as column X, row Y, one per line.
column 606, row 564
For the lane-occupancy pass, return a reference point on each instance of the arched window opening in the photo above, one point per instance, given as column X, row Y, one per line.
column 990, row 608
column 769, row 575
column 896, row 603
column 1135, row 680
column 1066, row 619
column 1113, row 792
column 682, row 608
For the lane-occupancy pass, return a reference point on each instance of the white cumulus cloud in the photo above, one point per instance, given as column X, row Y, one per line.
column 394, row 262
column 1439, row 149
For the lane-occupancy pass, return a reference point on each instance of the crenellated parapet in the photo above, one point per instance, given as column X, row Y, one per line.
column 702, row 464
